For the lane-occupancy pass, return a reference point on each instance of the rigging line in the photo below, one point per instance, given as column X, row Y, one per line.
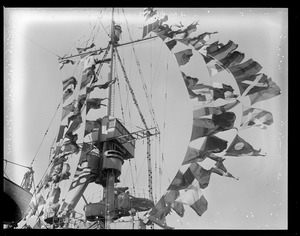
column 103, row 27
column 120, row 96
column 156, row 67
column 164, row 119
column 132, row 92
column 145, row 124
column 78, row 41
column 125, row 176
column 133, row 185
column 7, row 161
column 38, row 44
column 46, row 132
column 141, row 75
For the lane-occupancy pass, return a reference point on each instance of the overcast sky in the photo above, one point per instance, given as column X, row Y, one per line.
column 32, row 91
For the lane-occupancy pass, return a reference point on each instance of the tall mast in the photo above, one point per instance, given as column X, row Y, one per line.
column 110, row 77
column 110, row 178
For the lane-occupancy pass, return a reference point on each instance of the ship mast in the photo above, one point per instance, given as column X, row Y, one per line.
column 110, row 178
column 115, row 141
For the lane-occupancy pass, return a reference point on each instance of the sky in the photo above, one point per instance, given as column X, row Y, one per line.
column 32, row 92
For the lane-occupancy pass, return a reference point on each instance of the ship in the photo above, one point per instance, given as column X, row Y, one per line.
column 108, row 124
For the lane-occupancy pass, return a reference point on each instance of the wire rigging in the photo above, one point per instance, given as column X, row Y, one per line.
column 46, row 132
column 36, row 43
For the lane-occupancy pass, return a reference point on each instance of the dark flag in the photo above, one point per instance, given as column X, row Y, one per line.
column 81, row 50
column 90, row 125
column 101, row 86
column 184, row 56
column 94, row 103
column 171, row 44
column 271, row 91
column 64, row 62
column 199, row 41
column 258, row 82
column 232, row 59
column 221, row 170
column 69, row 81
column 188, row 30
column 239, row 147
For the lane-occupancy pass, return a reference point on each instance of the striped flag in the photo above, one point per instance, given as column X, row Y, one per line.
column 245, row 69
column 232, row 59
column 239, row 147
column 272, row 91
column 223, row 51
column 193, row 197
column 254, row 117
column 82, row 174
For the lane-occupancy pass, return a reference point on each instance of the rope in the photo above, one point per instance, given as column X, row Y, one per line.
column 7, row 161
column 133, row 185
column 46, row 133
column 38, row 44
column 145, row 124
column 151, row 110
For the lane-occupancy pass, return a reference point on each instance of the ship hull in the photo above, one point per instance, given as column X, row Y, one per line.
column 16, row 202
